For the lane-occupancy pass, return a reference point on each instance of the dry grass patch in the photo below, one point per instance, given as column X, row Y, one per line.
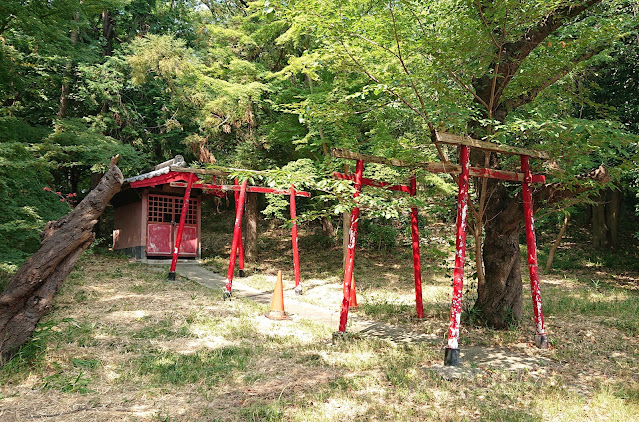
column 123, row 343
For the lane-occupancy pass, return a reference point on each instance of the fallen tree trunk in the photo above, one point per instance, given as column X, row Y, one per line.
column 29, row 295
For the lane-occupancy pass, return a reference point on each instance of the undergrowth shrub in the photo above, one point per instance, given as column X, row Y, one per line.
column 377, row 234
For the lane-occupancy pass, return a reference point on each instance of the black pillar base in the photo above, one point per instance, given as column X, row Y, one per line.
column 171, row 275
column 338, row 336
column 541, row 340
column 451, row 357
column 242, row 273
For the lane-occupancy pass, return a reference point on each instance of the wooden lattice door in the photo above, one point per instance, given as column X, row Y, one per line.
column 163, row 218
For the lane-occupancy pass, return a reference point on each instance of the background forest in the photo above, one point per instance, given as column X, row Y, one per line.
column 272, row 85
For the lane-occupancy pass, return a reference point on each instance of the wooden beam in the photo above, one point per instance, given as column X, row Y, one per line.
column 342, row 153
column 512, row 176
column 177, row 161
column 439, row 167
column 449, row 138
column 200, row 171
column 217, row 172
column 227, row 188
column 259, row 189
column 374, row 183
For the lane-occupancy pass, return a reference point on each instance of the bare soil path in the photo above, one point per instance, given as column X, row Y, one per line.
column 508, row 359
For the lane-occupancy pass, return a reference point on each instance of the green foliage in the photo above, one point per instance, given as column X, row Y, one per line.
column 275, row 85
column 614, row 83
column 68, row 383
column 24, row 206
column 40, row 171
column 377, row 235
column 575, row 145
column 75, row 145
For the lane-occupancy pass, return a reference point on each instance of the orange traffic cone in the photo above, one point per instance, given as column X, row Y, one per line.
column 277, row 305
column 352, row 302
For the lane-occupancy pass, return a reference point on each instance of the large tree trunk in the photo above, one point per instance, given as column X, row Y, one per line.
column 29, row 295
column 613, row 207
column 250, row 233
column 499, row 299
column 108, row 33
column 604, row 219
column 327, row 227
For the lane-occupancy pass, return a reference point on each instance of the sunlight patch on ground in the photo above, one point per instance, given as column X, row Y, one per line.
column 122, row 316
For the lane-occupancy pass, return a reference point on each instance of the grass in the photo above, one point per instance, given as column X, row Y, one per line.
column 208, row 367
column 123, row 344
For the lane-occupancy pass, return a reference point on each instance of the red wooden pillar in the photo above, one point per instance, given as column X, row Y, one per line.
column 178, row 238
column 350, row 254
column 541, row 338
column 417, row 266
column 241, row 242
column 451, row 357
column 237, row 238
column 296, row 254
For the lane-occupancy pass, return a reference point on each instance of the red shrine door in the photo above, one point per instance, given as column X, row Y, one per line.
column 162, row 223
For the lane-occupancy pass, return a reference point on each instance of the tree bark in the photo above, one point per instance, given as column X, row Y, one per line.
column 613, row 207
column 604, row 219
column 327, row 227
column 555, row 246
column 499, row 299
column 598, row 223
column 29, row 294
column 108, row 33
column 250, row 233
column 66, row 77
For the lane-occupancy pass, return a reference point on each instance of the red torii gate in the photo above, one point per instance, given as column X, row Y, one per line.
column 410, row 189
column 236, row 244
column 187, row 178
column 464, row 170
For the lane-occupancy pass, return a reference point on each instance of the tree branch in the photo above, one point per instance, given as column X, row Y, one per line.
column 514, row 53
column 530, row 96
column 446, row 69
column 401, row 60
column 374, row 79
column 555, row 192
column 485, row 22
